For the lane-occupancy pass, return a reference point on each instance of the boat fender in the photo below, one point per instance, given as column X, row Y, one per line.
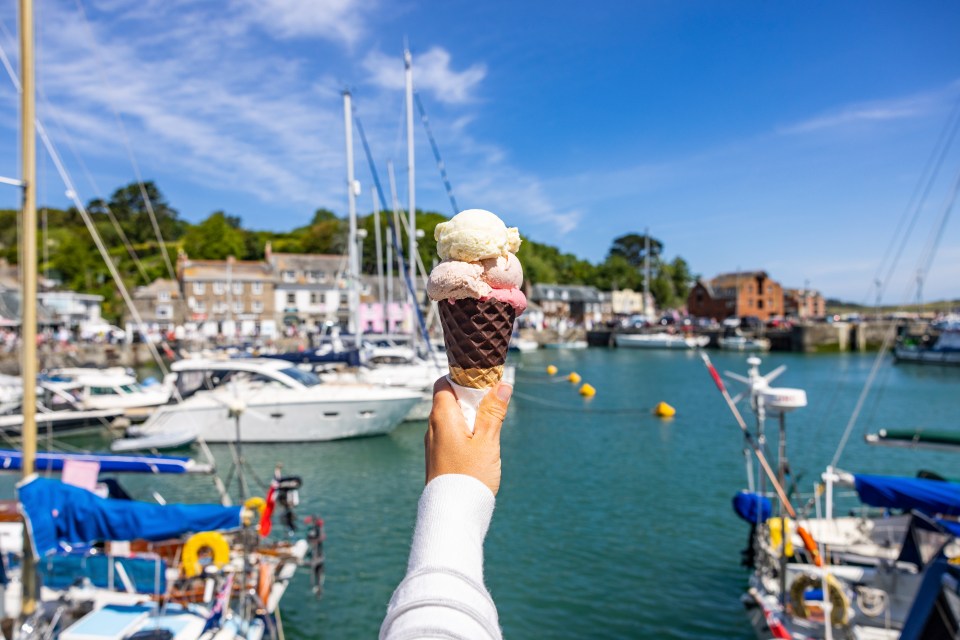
column 256, row 503
column 264, row 582
column 190, row 557
column 781, row 535
column 840, row 604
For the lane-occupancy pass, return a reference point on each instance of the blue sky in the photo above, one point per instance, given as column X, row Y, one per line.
column 783, row 136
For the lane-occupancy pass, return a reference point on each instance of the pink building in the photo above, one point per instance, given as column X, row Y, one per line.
column 395, row 320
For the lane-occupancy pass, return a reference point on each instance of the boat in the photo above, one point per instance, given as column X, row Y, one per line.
column 566, row 344
column 877, row 560
column 744, row 343
column 110, row 388
column 523, row 345
column 661, row 340
column 63, row 422
column 278, row 402
column 945, row 350
column 11, row 393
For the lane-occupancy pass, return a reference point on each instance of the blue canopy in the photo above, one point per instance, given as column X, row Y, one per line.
column 60, row 513
column 752, row 507
column 924, row 495
column 11, row 460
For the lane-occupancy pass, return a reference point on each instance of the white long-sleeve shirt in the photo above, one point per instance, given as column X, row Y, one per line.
column 442, row 595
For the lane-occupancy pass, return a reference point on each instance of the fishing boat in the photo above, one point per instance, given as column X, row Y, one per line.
column 877, row 561
column 945, row 350
column 661, row 340
column 281, row 403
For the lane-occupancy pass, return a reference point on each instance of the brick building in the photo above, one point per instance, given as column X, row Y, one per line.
column 748, row 293
column 804, row 303
column 229, row 297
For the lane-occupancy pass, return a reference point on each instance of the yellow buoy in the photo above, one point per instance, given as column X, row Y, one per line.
column 574, row 377
column 587, row 390
column 551, row 370
column 664, row 410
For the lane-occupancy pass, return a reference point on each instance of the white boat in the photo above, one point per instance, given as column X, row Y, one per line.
column 62, row 422
column 101, row 389
column 660, row 341
column 11, row 392
column 567, row 344
column 743, row 343
column 523, row 345
column 276, row 402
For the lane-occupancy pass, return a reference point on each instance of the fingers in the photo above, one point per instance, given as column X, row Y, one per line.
column 493, row 409
column 446, row 410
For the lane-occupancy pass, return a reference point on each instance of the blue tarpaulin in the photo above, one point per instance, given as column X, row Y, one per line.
column 11, row 460
column 752, row 507
column 927, row 496
column 60, row 513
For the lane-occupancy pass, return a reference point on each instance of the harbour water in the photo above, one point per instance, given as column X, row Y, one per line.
column 610, row 523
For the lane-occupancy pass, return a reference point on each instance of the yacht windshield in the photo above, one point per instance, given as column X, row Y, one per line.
column 305, row 378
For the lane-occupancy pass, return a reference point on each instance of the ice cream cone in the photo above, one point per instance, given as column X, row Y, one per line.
column 477, row 336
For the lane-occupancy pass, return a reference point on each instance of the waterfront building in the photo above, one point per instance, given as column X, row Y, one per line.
column 804, row 303
column 73, row 310
column 580, row 305
column 160, row 305
column 228, row 297
column 739, row 294
column 309, row 289
column 627, row 302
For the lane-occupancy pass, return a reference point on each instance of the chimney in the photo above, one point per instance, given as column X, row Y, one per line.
column 267, row 251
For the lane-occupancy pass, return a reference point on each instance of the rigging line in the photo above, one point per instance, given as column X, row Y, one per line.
column 927, row 258
column 94, row 233
column 436, row 153
column 383, row 203
column 130, row 154
column 935, row 163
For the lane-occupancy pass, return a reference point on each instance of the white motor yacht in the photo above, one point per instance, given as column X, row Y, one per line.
column 106, row 389
column 276, row 402
column 660, row 341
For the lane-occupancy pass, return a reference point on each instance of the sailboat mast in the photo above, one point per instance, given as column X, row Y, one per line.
column 411, row 189
column 646, row 270
column 376, row 238
column 28, row 270
column 353, row 267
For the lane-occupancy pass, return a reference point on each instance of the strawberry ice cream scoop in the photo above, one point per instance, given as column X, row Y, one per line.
column 503, row 272
column 456, row 280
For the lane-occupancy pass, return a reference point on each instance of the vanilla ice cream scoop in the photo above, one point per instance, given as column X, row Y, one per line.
column 474, row 235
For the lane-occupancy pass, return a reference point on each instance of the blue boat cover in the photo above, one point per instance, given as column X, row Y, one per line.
column 747, row 504
column 927, row 496
column 59, row 513
column 11, row 460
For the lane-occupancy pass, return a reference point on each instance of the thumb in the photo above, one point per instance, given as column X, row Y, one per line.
column 493, row 409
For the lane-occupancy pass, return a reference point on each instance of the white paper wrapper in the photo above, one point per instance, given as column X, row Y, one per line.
column 469, row 400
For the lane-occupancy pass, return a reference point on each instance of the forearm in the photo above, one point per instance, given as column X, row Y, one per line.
column 442, row 595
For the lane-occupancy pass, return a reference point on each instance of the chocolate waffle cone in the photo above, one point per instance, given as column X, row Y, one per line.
column 477, row 335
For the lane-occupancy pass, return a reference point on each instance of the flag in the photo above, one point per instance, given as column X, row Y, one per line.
column 266, row 520
column 220, row 604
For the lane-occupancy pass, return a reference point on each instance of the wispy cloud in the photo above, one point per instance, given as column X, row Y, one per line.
column 432, row 73
column 874, row 112
column 341, row 20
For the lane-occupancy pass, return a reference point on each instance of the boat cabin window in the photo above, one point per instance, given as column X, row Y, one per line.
column 305, row 378
column 102, row 391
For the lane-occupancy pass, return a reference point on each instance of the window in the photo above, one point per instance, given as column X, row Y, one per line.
column 759, row 304
column 289, row 275
column 314, row 297
column 311, row 276
column 220, row 307
column 238, row 306
column 292, row 299
column 164, row 311
column 199, row 288
column 256, row 288
column 550, row 294
column 219, row 287
column 320, row 275
column 257, row 306
column 163, row 296
column 200, row 307
column 237, row 288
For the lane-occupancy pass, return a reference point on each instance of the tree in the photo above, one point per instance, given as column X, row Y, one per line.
column 215, row 238
column 632, row 246
column 616, row 272
column 682, row 278
column 130, row 207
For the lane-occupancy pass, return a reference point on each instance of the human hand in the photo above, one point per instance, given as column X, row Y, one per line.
column 449, row 447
